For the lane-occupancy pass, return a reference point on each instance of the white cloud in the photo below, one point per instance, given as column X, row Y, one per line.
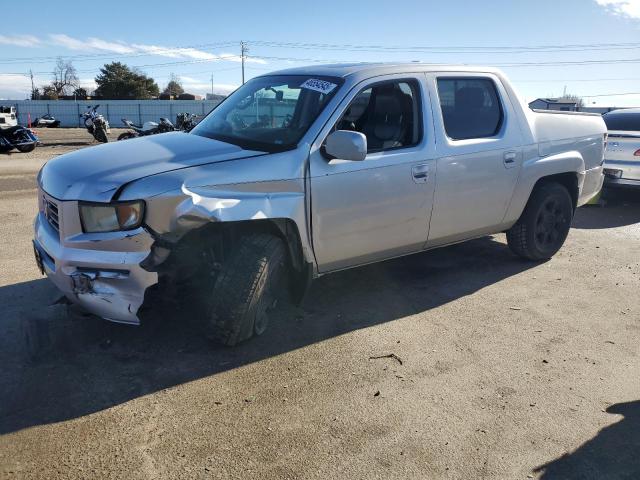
column 625, row 8
column 96, row 44
column 19, row 40
column 14, row 87
column 90, row 44
column 192, row 85
column 175, row 52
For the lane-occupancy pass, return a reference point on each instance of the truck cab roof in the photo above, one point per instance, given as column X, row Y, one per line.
column 366, row 69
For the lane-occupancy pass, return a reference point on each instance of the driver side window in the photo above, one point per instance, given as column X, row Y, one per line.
column 388, row 114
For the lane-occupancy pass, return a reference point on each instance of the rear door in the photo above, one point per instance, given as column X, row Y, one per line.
column 478, row 143
column 363, row 211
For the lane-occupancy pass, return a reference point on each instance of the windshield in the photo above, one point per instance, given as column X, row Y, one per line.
column 269, row 113
column 622, row 121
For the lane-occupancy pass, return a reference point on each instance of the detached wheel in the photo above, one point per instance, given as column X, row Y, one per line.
column 246, row 289
column 544, row 225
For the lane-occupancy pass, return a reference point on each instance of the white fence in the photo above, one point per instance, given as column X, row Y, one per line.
column 138, row 111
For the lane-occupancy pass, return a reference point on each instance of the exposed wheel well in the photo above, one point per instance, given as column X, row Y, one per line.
column 211, row 244
column 568, row 179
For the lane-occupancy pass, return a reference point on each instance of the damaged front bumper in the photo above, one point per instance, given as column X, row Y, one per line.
column 99, row 272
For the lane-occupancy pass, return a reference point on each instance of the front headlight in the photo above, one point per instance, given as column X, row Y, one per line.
column 111, row 217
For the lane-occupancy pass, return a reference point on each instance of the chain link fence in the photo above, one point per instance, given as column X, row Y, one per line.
column 138, row 111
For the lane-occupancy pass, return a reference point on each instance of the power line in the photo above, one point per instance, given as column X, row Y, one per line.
column 496, row 49
column 610, row 95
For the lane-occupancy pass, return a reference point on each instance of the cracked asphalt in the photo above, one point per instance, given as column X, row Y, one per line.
column 504, row 369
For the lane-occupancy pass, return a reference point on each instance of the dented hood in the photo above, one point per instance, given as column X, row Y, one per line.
column 95, row 174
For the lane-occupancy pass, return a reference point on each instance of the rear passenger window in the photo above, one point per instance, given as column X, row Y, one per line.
column 387, row 113
column 470, row 107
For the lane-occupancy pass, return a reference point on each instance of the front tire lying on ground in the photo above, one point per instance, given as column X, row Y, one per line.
column 247, row 288
column 544, row 225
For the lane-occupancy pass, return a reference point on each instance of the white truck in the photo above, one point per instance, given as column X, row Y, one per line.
column 303, row 172
column 8, row 117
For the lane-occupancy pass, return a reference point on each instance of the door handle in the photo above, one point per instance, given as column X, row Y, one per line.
column 420, row 173
column 509, row 159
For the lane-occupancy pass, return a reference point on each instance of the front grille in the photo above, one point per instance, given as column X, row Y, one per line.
column 52, row 214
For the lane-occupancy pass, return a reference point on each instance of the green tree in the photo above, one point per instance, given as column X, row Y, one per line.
column 35, row 94
column 174, row 87
column 49, row 93
column 117, row 81
column 80, row 93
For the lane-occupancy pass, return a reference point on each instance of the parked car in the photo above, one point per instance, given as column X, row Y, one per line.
column 622, row 155
column 304, row 172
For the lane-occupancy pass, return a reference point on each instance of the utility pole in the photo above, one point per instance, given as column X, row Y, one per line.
column 212, row 86
column 243, row 54
column 33, row 88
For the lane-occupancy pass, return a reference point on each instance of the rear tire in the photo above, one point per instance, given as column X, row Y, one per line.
column 26, row 148
column 246, row 289
column 544, row 225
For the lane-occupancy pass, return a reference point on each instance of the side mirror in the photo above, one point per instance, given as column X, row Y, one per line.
column 346, row 145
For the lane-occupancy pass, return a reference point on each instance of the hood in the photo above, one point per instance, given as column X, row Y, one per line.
column 96, row 173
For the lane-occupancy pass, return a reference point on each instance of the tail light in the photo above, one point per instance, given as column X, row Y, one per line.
column 636, row 153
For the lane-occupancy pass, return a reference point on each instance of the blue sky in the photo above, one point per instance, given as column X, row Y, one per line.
column 203, row 39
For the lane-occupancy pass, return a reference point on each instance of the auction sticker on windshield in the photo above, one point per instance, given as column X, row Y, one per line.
column 321, row 86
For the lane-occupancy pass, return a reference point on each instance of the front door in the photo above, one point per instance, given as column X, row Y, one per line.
column 363, row 211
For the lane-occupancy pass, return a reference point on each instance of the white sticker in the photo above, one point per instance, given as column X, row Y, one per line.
column 321, row 86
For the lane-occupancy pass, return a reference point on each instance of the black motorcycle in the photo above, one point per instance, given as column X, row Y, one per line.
column 96, row 124
column 17, row 137
column 148, row 128
column 185, row 121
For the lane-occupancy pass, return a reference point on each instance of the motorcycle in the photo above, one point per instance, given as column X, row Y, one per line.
column 185, row 121
column 96, row 124
column 148, row 128
column 46, row 121
column 20, row 138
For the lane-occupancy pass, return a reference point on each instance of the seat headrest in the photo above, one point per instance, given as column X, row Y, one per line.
column 387, row 113
column 470, row 97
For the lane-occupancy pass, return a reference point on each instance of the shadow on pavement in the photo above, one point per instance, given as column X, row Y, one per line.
column 97, row 364
column 620, row 207
column 613, row 453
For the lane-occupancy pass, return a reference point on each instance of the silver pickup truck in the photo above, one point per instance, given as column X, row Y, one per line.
column 303, row 172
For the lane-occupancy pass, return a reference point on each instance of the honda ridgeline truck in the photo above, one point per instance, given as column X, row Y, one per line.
column 304, row 172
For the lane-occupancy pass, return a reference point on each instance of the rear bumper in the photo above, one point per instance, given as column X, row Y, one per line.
column 621, row 182
column 108, row 283
column 622, row 173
